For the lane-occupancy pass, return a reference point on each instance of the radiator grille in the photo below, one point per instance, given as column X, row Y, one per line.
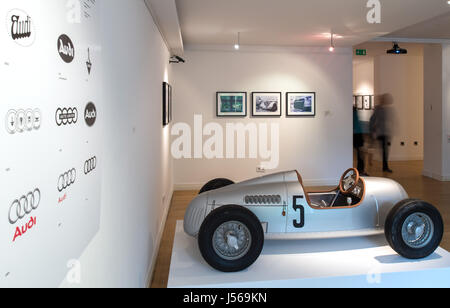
column 263, row 200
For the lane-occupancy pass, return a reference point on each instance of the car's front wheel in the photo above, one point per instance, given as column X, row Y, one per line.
column 231, row 238
column 414, row 229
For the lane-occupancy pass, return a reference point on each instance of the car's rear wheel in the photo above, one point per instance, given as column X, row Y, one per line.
column 231, row 238
column 414, row 229
column 216, row 184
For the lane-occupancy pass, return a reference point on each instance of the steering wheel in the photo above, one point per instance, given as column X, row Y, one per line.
column 349, row 181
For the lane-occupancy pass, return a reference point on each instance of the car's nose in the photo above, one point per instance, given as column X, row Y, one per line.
column 195, row 214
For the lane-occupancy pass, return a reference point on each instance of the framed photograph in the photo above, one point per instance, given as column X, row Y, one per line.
column 359, row 102
column 300, row 104
column 372, row 102
column 354, row 100
column 367, row 102
column 167, row 104
column 266, row 104
column 231, row 104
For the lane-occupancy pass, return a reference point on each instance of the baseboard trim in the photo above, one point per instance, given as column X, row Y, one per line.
column 151, row 268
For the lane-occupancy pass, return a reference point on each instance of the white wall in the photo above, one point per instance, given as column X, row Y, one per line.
column 402, row 76
column 320, row 148
column 433, row 111
column 363, row 82
column 363, row 76
column 137, row 169
column 446, row 111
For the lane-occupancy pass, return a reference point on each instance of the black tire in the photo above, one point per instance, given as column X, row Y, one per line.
column 215, row 184
column 213, row 221
column 394, row 224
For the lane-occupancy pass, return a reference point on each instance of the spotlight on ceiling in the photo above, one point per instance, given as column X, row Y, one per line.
column 237, row 46
column 396, row 50
column 331, row 49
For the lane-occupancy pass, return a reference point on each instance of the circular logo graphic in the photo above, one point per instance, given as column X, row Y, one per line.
column 90, row 114
column 66, row 49
column 20, row 27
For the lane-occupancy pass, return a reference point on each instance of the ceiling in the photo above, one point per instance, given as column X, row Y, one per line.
column 302, row 22
column 436, row 28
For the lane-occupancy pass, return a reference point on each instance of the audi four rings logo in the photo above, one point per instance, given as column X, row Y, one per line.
column 67, row 179
column 18, row 121
column 24, row 206
column 90, row 165
column 65, row 116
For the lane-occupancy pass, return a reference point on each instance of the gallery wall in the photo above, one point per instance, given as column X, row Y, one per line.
column 319, row 147
column 446, row 111
column 51, row 154
column 433, row 111
column 401, row 76
column 137, row 178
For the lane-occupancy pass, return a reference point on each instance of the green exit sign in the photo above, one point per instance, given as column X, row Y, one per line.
column 361, row 52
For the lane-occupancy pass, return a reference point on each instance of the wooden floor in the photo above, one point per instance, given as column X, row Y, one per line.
column 406, row 173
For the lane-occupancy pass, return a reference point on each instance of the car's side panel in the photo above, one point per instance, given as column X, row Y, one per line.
column 261, row 196
column 364, row 216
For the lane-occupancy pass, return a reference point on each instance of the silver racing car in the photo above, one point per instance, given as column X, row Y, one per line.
column 232, row 220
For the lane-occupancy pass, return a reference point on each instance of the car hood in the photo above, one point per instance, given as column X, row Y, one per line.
column 269, row 185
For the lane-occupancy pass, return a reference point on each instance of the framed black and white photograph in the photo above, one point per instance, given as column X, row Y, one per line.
column 266, row 104
column 359, row 102
column 167, row 104
column 367, row 102
column 300, row 104
column 354, row 100
column 231, row 104
column 372, row 102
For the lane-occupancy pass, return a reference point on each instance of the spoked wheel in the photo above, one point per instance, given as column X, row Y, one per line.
column 414, row 229
column 231, row 238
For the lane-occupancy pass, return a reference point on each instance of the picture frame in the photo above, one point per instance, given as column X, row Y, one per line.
column 372, row 102
column 231, row 104
column 301, row 104
column 167, row 104
column 367, row 102
column 354, row 100
column 359, row 102
column 266, row 104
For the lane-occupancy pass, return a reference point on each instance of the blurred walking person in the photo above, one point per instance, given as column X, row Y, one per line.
column 381, row 126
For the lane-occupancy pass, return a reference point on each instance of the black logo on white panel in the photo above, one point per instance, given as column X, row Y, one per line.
column 90, row 114
column 19, row 121
column 90, row 165
column 20, row 27
column 88, row 62
column 66, row 48
column 24, row 206
column 67, row 179
column 66, row 116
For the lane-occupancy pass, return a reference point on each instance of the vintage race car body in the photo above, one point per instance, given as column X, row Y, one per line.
column 286, row 211
column 232, row 221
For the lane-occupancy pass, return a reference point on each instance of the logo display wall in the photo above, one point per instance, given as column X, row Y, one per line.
column 50, row 139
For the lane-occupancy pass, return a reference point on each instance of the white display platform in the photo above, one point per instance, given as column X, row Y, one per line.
column 349, row 262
